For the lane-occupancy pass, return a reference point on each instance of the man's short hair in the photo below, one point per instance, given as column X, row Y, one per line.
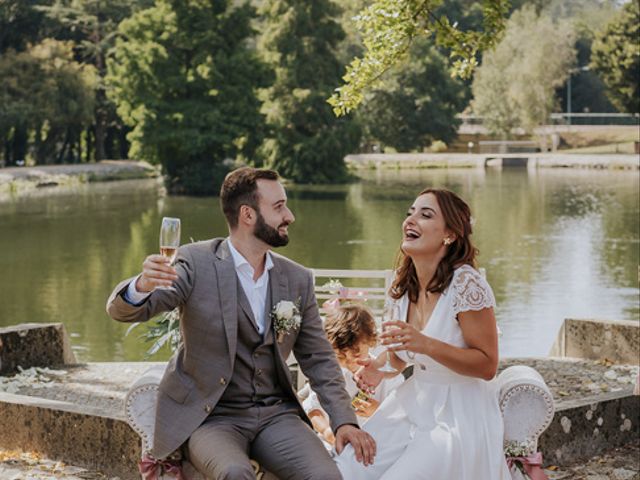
column 240, row 188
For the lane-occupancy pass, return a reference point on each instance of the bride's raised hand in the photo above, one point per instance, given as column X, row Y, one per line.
column 368, row 377
column 399, row 336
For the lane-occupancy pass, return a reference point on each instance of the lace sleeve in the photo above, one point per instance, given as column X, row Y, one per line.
column 471, row 291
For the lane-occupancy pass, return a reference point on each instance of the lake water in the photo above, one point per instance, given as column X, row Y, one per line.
column 555, row 244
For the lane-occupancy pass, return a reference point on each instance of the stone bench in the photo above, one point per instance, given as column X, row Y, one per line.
column 525, row 401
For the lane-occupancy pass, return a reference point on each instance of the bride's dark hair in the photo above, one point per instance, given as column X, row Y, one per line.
column 457, row 219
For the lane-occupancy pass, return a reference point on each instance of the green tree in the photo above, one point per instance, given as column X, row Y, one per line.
column 389, row 27
column 616, row 57
column 416, row 104
column 515, row 85
column 92, row 26
column 46, row 92
column 306, row 143
column 588, row 17
column 20, row 24
column 184, row 80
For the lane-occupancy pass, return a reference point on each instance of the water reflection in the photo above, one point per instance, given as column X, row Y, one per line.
column 555, row 244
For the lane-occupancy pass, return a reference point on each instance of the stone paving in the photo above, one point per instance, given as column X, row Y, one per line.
column 572, row 379
column 96, row 385
column 15, row 465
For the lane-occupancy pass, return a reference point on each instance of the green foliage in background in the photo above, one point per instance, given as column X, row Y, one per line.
column 184, row 79
column 416, row 104
column 92, row 26
column 163, row 330
column 46, row 92
column 389, row 27
column 515, row 86
column 616, row 57
column 202, row 85
column 587, row 18
column 306, row 143
column 20, row 24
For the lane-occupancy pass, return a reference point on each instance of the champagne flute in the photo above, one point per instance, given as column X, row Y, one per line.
column 169, row 237
column 390, row 313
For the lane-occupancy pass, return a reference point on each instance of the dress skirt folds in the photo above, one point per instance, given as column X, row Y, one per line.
column 438, row 425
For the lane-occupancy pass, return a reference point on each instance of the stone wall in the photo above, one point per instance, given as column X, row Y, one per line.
column 34, row 345
column 582, row 429
column 617, row 341
column 76, row 435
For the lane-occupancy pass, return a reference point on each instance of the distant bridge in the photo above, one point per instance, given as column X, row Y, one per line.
column 559, row 123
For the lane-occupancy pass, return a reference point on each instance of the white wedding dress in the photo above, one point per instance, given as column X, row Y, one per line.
column 438, row 425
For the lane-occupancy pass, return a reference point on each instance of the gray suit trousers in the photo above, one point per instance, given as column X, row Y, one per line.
column 275, row 436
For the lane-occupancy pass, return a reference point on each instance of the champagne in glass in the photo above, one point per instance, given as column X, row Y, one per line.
column 169, row 237
column 390, row 313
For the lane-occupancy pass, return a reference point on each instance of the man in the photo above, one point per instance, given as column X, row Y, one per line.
column 227, row 390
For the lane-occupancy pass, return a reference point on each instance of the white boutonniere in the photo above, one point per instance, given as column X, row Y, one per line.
column 286, row 318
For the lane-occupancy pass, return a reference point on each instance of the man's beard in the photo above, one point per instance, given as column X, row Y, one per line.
column 268, row 234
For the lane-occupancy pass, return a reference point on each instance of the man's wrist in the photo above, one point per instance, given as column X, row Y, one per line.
column 347, row 424
column 137, row 284
column 133, row 296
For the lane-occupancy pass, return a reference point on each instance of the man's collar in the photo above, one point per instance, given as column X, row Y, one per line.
column 239, row 260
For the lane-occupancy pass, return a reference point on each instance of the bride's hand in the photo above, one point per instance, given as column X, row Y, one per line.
column 367, row 377
column 402, row 336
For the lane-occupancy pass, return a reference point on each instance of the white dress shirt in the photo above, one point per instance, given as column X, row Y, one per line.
column 255, row 291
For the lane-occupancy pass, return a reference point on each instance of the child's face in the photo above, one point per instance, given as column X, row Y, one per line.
column 349, row 357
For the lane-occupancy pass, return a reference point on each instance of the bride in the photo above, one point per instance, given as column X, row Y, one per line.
column 444, row 423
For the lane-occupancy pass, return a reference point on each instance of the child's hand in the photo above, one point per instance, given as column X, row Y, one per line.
column 368, row 377
column 365, row 408
column 328, row 436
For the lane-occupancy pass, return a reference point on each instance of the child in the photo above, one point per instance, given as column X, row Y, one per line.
column 351, row 330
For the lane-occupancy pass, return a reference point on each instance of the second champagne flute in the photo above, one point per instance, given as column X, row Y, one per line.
column 390, row 313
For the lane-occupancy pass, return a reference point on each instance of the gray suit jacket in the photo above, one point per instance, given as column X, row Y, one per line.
column 198, row 373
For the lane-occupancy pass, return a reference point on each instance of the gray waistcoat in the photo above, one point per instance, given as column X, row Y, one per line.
column 255, row 379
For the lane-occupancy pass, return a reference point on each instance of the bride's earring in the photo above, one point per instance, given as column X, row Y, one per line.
column 447, row 241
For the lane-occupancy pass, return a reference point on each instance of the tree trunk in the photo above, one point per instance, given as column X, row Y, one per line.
column 6, row 143
column 102, row 105
column 89, row 143
column 20, row 138
column 46, row 152
column 100, row 130
column 109, row 143
column 123, row 143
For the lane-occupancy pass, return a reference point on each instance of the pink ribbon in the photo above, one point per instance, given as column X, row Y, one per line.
column 532, row 465
column 344, row 293
column 331, row 304
column 151, row 469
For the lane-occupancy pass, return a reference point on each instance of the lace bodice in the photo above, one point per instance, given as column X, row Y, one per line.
column 470, row 291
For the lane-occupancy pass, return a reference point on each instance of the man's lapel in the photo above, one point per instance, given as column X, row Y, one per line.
column 279, row 289
column 228, row 293
column 243, row 301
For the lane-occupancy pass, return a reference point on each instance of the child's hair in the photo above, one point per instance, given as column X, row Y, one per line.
column 349, row 325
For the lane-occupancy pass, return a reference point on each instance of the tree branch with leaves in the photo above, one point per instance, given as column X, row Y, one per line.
column 388, row 29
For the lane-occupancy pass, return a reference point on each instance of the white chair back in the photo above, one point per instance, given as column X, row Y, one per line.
column 526, row 404
column 371, row 285
column 140, row 405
